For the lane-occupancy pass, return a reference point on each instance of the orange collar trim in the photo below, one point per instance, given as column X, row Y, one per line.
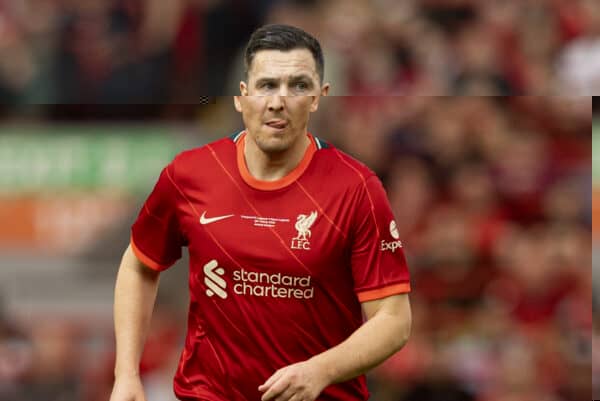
column 282, row 182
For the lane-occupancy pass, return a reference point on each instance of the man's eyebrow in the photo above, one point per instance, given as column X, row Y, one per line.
column 300, row 76
column 266, row 79
column 292, row 78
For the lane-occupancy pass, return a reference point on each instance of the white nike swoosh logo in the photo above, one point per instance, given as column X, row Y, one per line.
column 204, row 220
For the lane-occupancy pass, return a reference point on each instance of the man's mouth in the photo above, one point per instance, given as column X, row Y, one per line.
column 277, row 124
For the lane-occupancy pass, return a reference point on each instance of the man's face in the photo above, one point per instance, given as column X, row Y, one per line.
column 283, row 88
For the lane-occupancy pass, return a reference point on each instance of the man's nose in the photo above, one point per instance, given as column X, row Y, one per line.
column 276, row 103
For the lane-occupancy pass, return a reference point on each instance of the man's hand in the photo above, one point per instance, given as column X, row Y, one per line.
column 128, row 389
column 302, row 381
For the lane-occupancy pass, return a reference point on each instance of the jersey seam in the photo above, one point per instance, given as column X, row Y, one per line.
column 364, row 184
column 181, row 193
column 147, row 210
column 314, row 201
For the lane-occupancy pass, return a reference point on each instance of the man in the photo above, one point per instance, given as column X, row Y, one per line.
column 288, row 238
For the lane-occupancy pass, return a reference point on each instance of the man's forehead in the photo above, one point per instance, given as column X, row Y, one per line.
column 276, row 64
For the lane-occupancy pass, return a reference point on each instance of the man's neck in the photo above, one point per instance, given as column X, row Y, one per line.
column 274, row 166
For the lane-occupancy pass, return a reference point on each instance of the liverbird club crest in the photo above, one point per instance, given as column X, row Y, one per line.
column 303, row 225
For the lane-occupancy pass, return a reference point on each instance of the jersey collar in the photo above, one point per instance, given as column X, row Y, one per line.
column 282, row 182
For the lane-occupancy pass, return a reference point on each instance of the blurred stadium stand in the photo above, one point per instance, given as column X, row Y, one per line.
column 493, row 201
column 157, row 52
column 492, row 194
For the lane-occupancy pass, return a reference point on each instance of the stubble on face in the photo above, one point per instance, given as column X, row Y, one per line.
column 279, row 131
column 275, row 144
column 278, row 99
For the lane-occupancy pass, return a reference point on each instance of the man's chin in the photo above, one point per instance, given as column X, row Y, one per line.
column 274, row 145
column 276, row 141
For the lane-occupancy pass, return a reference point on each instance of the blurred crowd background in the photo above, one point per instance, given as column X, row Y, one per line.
column 492, row 194
column 493, row 201
column 154, row 51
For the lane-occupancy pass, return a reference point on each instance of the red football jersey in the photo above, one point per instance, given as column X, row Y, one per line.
column 277, row 269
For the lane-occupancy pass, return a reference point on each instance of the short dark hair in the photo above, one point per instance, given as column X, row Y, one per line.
column 284, row 38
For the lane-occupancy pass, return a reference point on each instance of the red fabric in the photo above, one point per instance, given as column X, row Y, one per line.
column 265, row 297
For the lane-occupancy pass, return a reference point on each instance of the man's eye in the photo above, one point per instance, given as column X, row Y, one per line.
column 267, row 85
column 301, row 85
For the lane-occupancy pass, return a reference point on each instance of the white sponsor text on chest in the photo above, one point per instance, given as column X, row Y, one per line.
column 268, row 222
column 277, row 285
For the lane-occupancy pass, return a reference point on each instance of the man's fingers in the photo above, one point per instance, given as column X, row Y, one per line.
column 276, row 389
column 274, row 377
column 297, row 397
column 287, row 395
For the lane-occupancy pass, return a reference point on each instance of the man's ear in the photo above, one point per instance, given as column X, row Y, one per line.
column 236, row 99
column 237, row 103
column 315, row 103
column 243, row 88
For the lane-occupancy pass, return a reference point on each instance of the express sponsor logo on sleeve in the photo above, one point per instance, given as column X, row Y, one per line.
column 392, row 245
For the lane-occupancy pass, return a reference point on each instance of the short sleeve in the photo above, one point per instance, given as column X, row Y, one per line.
column 379, row 266
column 156, row 238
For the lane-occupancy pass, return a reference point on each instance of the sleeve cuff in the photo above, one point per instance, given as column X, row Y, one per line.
column 394, row 289
column 147, row 261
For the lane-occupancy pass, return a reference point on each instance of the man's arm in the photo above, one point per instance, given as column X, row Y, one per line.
column 385, row 333
column 135, row 294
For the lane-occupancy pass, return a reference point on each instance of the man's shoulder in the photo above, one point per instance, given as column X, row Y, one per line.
column 203, row 158
column 200, row 154
column 343, row 166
